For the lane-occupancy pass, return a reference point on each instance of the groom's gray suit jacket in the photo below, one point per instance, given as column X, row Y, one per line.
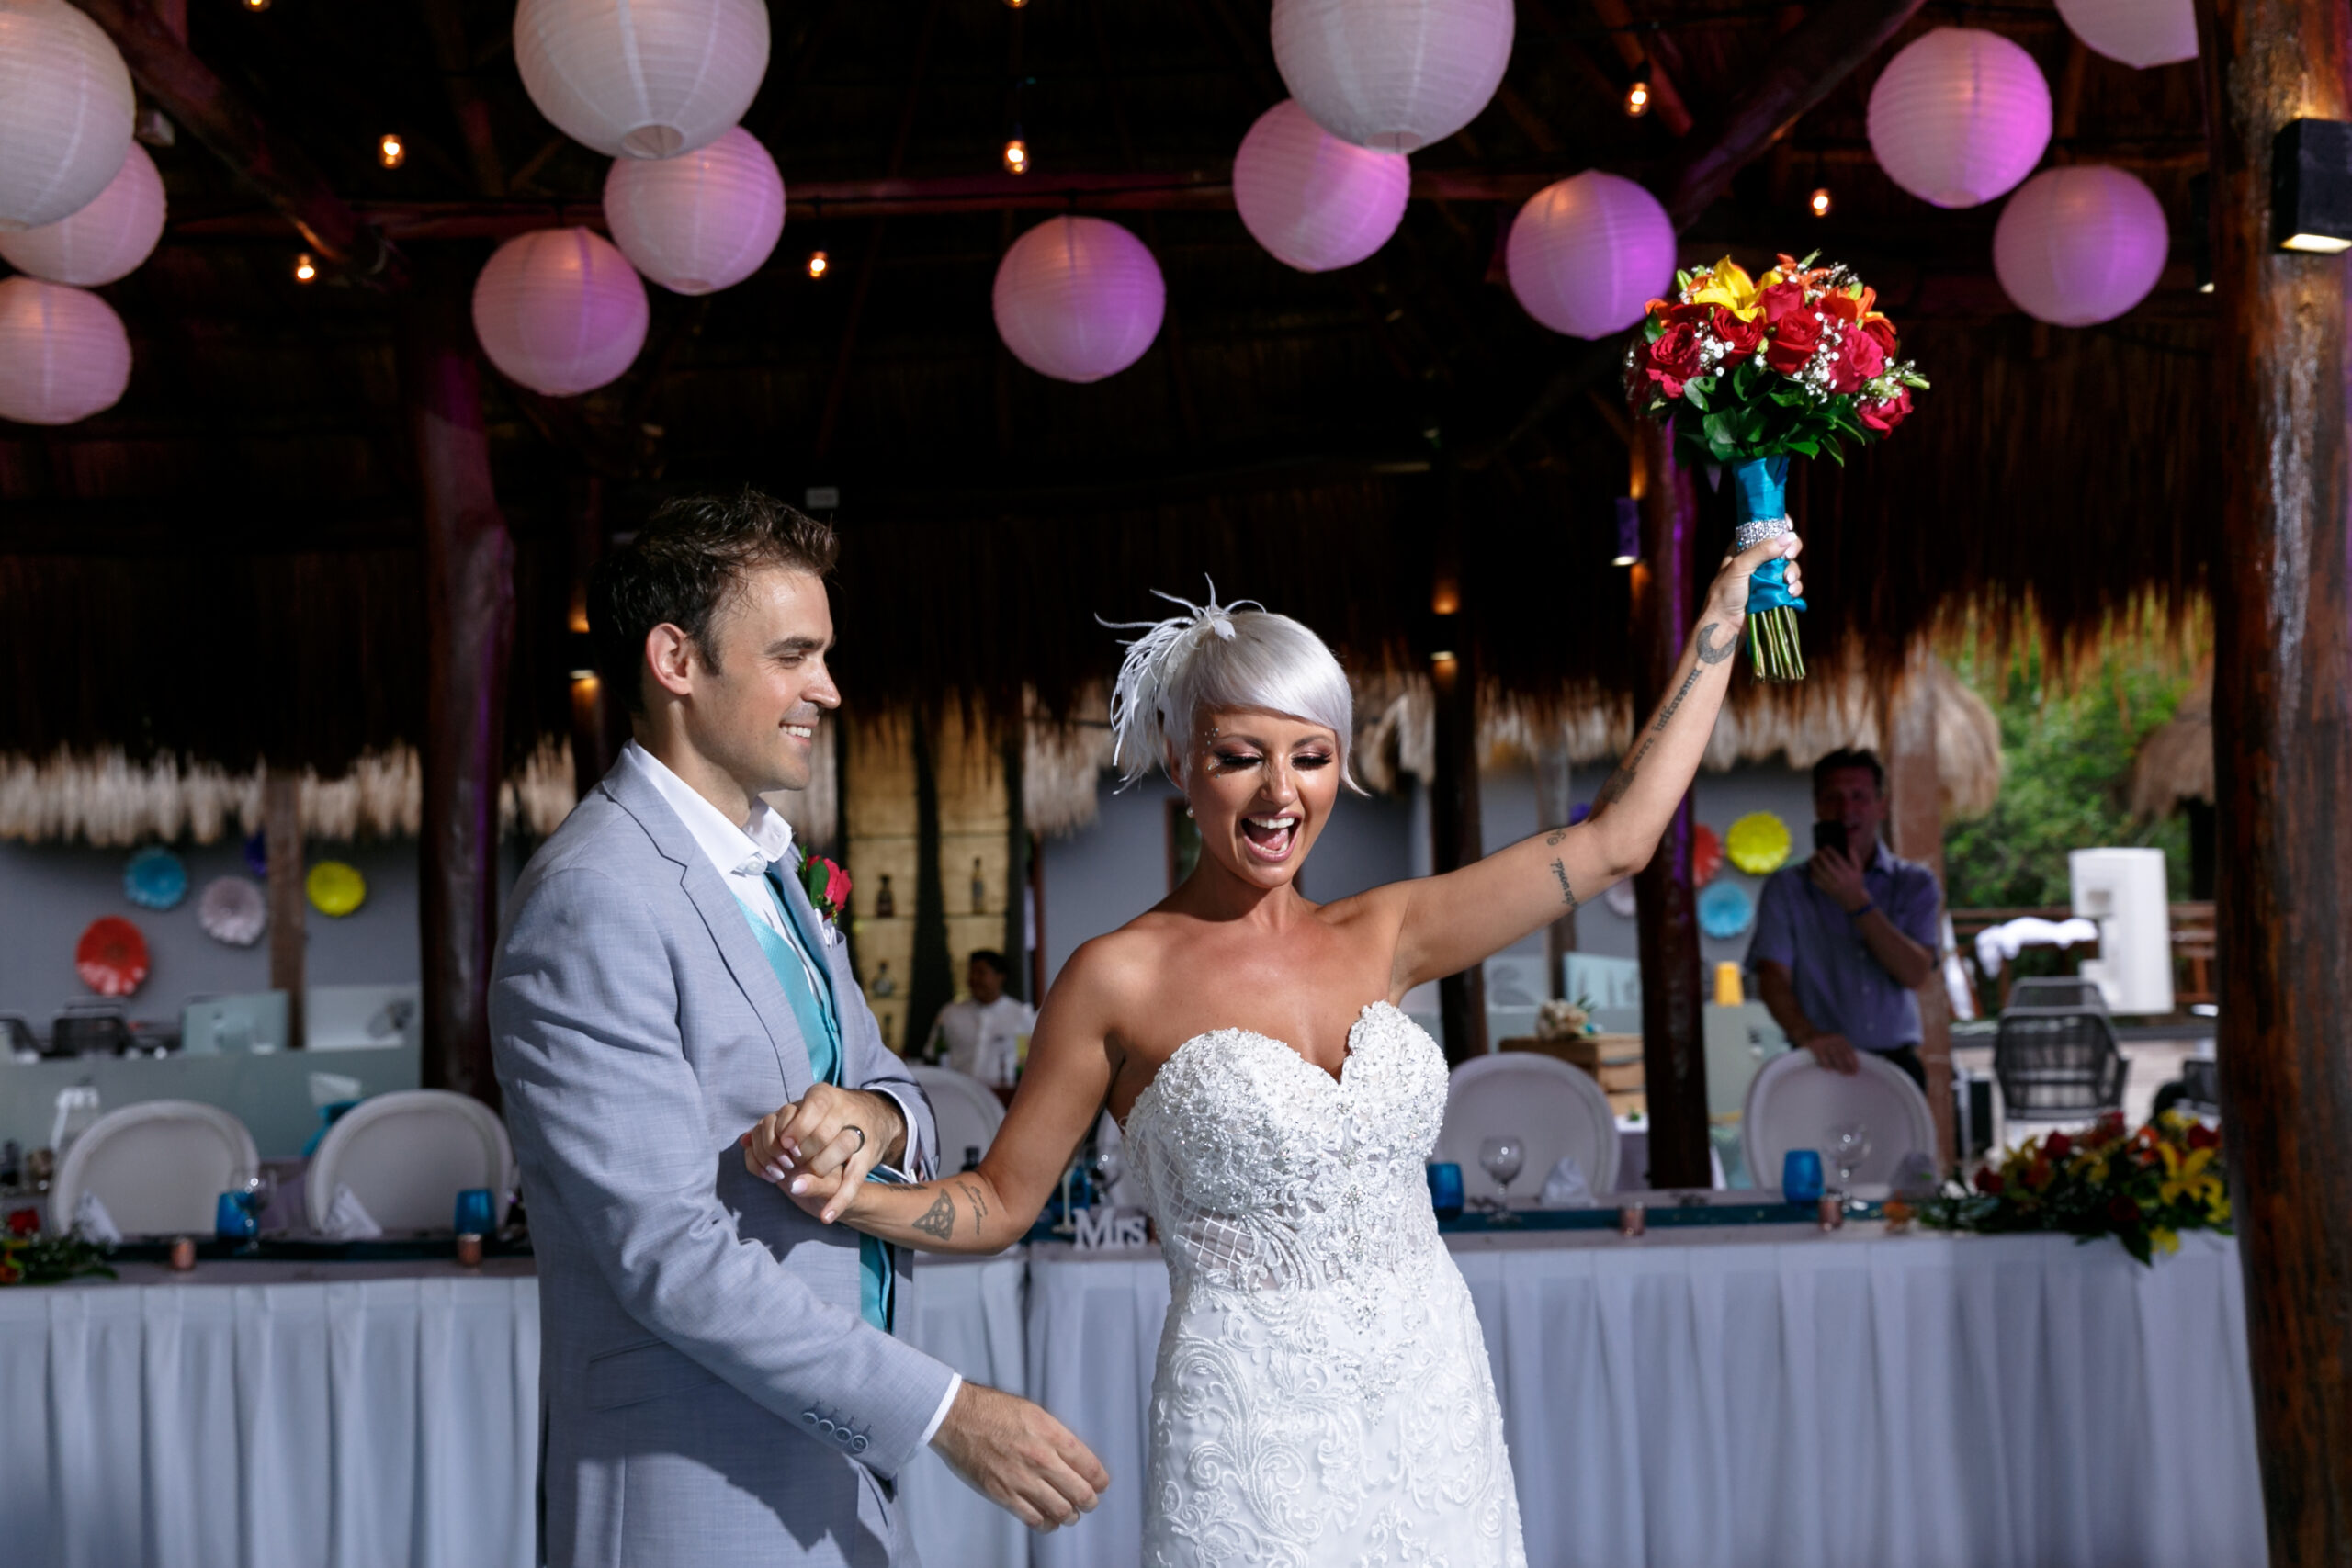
column 708, row 1386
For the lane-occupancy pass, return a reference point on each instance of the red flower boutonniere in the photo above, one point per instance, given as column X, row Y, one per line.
column 827, row 886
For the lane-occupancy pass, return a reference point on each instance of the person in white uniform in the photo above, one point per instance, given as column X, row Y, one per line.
column 979, row 1035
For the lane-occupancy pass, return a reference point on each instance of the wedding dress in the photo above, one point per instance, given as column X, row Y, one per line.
column 1322, row 1396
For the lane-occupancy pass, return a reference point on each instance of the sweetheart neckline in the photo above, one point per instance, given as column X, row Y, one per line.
column 1337, row 1082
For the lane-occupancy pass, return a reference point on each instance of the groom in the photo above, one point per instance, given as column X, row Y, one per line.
column 717, row 1371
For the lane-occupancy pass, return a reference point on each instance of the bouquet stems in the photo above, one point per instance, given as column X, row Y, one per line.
column 1773, row 649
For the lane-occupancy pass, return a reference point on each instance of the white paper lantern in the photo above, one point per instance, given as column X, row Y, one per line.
column 642, row 78
column 65, row 111
column 559, row 310
column 701, row 222
column 1314, row 201
column 1960, row 116
column 2138, row 32
column 1078, row 298
column 1585, row 255
column 2080, row 244
column 104, row 241
column 64, row 354
column 1393, row 75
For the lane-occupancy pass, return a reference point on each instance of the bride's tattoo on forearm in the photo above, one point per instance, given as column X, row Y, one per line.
column 939, row 1220
column 1711, row 654
column 979, row 1209
column 1568, row 894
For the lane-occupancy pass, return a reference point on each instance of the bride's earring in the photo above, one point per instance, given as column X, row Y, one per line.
column 1188, row 811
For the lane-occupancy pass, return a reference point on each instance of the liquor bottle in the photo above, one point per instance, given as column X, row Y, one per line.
column 979, row 889
column 971, row 1156
column 886, row 904
column 884, row 986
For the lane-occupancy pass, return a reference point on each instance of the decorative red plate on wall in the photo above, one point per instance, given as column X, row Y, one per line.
column 1706, row 855
column 111, row 958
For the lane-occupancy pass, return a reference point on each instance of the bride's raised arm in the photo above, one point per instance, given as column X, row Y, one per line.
column 985, row 1210
column 1450, row 922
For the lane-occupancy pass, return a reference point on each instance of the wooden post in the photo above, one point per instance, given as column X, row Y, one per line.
column 1017, row 850
column 1456, row 835
column 931, row 979
column 1674, row 1053
column 1914, row 779
column 2282, row 743
column 593, row 728
column 282, row 831
column 1553, row 805
column 468, row 564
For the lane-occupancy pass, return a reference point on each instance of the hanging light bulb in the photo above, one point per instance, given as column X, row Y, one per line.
column 305, row 270
column 1820, row 202
column 1014, row 5
column 257, row 5
column 817, row 263
column 1016, row 156
column 391, row 151
column 1637, row 100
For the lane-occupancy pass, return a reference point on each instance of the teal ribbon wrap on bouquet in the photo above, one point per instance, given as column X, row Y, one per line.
column 1760, row 494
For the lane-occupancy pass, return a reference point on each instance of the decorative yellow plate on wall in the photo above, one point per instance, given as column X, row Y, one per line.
column 335, row 889
column 1757, row 843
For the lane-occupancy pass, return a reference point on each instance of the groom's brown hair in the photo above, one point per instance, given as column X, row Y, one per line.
column 681, row 567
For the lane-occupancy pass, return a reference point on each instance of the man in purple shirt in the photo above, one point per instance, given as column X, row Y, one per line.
column 1845, row 939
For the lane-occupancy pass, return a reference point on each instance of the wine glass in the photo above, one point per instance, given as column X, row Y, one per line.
column 1106, row 1167
column 1502, row 1158
column 1849, row 1146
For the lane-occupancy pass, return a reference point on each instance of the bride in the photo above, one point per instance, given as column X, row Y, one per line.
column 1322, row 1396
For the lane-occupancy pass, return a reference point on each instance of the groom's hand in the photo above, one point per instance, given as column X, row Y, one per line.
column 1020, row 1458
column 820, row 1148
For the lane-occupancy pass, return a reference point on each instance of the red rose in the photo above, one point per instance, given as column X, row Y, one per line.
column 1673, row 359
column 1741, row 338
column 1695, row 314
column 1859, row 358
column 1885, row 415
column 836, row 886
column 1988, row 1180
column 24, row 1222
column 2122, row 1210
column 1794, row 337
column 1781, row 300
column 2201, row 1136
column 2058, row 1146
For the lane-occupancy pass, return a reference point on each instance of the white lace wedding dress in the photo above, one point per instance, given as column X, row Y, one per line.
column 1322, row 1396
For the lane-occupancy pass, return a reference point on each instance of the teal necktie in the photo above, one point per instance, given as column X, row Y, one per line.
column 788, row 955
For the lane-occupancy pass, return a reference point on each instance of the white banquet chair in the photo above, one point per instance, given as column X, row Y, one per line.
column 159, row 1166
column 1557, row 1109
column 1796, row 1103
column 406, row 1156
column 967, row 1111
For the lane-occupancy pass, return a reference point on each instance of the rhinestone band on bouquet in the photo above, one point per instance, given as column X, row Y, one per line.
column 1755, row 371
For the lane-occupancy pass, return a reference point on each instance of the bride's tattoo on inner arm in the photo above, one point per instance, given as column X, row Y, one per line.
column 1568, row 894
column 939, row 1220
column 979, row 1209
column 1710, row 654
column 1618, row 783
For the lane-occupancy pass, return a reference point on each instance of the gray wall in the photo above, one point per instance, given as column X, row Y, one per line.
column 48, row 892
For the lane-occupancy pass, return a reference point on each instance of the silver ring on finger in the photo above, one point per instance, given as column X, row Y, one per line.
column 861, row 1138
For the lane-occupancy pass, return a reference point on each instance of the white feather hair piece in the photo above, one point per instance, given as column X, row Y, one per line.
column 1139, row 715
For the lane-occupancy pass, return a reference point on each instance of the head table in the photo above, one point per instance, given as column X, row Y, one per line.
column 1754, row 1395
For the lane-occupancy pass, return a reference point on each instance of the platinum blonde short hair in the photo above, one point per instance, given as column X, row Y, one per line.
column 1215, row 658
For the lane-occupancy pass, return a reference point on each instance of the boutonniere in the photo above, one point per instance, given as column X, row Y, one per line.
column 827, row 886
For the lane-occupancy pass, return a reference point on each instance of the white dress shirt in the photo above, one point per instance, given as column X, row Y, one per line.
column 741, row 857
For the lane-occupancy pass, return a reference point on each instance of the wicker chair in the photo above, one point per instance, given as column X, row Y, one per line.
column 2056, row 1055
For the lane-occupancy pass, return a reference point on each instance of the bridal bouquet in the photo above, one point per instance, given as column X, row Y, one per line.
column 1793, row 364
column 2143, row 1188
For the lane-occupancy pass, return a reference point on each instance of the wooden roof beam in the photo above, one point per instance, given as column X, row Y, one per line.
column 216, row 114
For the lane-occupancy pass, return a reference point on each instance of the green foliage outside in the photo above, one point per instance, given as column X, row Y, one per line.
column 2068, row 756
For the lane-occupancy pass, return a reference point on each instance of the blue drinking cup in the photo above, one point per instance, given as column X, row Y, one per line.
column 232, row 1217
column 1445, row 1189
column 475, row 1214
column 1801, row 1176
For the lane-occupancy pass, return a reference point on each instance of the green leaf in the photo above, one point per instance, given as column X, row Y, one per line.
column 1696, row 390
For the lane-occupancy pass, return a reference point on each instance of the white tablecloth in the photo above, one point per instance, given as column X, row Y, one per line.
column 968, row 1315
column 1734, row 1397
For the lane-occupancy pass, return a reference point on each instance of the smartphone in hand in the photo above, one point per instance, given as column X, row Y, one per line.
column 1829, row 836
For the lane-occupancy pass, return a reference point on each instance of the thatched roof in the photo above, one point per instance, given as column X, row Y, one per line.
column 2175, row 761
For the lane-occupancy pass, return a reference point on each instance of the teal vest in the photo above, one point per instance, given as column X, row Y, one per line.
column 820, row 1027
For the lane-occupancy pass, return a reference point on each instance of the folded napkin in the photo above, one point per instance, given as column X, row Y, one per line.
column 1565, row 1188
column 347, row 1219
column 93, row 1224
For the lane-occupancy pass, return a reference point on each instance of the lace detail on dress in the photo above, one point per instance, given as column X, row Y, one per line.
column 1323, row 1395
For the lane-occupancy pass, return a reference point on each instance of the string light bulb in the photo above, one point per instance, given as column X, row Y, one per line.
column 1820, row 202
column 391, row 151
column 817, row 263
column 1637, row 100
column 1014, row 5
column 1016, row 156
column 305, row 270
column 257, row 5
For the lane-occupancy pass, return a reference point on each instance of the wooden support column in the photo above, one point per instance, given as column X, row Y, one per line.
column 1017, row 850
column 1553, row 805
column 469, row 562
column 1456, row 835
column 2282, row 741
column 595, row 725
column 1915, row 780
column 931, row 979
column 1674, row 1047
column 281, row 837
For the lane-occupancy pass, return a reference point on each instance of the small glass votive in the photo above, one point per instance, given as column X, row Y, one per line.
column 1801, row 1176
column 183, row 1254
column 232, row 1217
column 1633, row 1219
column 1445, row 1189
column 1831, row 1209
column 468, row 1250
column 475, row 1213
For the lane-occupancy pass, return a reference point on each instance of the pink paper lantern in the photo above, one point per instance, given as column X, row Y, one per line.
column 1314, row 201
column 559, row 310
column 701, row 222
column 1393, row 75
column 1588, row 253
column 641, row 78
column 65, row 111
column 104, row 241
column 1960, row 117
column 2139, row 33
column 1078, row 298
column 2079, row 245
column 64, row 354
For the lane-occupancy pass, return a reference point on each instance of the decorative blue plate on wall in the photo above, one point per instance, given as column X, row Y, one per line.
column 155, row 879
column 1725, row 909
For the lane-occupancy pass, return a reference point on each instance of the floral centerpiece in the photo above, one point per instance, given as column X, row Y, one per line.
column 1794, row 364
column 2143, row 1188
column 33, row 1259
